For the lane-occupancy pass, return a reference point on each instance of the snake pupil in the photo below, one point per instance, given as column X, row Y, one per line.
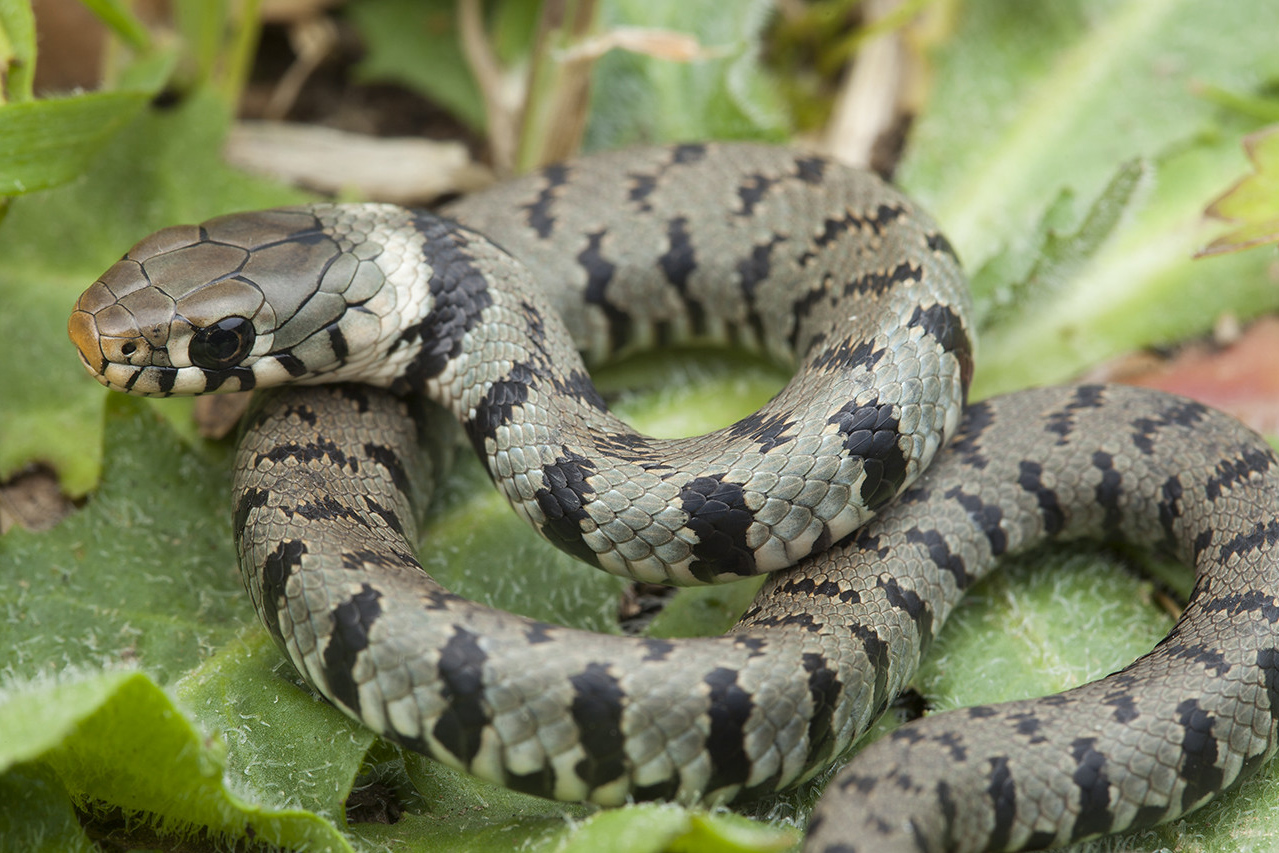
column 223, row 344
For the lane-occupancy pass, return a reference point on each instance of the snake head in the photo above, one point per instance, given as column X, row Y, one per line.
column 237, row 302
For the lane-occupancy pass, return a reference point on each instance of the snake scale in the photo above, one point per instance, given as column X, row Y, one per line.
column 819, row 265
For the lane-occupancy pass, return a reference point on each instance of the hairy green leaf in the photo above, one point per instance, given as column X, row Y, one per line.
column 1035, row 103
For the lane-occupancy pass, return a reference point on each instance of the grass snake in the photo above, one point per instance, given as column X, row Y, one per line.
column 829, row 486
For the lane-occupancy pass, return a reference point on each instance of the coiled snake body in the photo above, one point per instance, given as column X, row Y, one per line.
column 815, row 263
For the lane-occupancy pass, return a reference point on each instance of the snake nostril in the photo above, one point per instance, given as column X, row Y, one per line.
column 129, row 349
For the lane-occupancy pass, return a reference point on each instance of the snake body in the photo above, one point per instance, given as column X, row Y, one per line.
column 819, row 265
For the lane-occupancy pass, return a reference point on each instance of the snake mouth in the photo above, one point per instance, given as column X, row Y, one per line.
column 96, row 372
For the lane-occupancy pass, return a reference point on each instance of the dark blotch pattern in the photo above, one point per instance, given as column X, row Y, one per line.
column 391, row 463
column 768, row 431
column 599, row 275
column 757, row 266
column 561, row 502
column 730, row 708
column 497, row 407
column 879, row 282
column 540, row 211
column 939, row 552
column 1094, row 790
column 1061, row 423
column 459, row 295
column 680, row 259
column 823, row 690
column 751, row 192
column 1263, row 535
column 943, row 325
column 597, row 711
column 870, row 433
column 1198, row 754
column 1231, row 472
column 845, row 355
column 460, row 728
column 717, row 513
column 279, row 566
column 352, row 621
column 967, row 442
column 1108, row 492
column 1031, row 479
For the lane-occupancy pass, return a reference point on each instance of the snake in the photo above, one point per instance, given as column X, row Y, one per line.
column 866, row 488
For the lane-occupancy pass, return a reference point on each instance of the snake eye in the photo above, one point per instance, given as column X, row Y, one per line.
column 223, row 344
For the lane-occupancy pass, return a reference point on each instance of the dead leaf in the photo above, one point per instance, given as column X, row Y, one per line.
column 1241, row 378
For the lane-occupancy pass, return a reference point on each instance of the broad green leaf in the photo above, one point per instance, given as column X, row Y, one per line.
column 115, row 739
column 38, row 815
column 1010, row 294
column 44, row 143
column 1036, row 102
column 101, row 587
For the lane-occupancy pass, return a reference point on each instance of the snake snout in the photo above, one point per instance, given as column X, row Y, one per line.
column 113, row 340
column 84, row 334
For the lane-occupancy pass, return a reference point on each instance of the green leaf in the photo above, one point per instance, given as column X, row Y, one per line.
column 728, row 95
column 116, row 739
column 49, row 142
column 1005, row 639
column 102, row 589
column 637, row 99
column 46, row 143
column 1057, row 258
column 1033, row 104
column 38, row 815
